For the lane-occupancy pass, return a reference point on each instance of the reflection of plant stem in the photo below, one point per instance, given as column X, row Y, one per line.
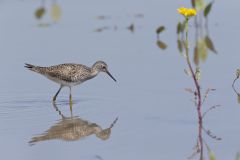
column 198, row 94
column 234, row 84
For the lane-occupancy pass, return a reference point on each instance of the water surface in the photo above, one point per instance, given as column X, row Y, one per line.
column 156, row 117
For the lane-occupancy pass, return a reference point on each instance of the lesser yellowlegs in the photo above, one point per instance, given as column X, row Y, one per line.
column 70, row 74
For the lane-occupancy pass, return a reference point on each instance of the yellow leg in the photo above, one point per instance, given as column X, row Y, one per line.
column 70, row 105
column 55, row 97
column 70, row 95
column 70, row 100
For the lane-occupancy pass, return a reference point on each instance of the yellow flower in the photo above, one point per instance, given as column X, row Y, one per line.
column 187, row 12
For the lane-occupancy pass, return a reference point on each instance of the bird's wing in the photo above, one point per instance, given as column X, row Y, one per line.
column 68, row 72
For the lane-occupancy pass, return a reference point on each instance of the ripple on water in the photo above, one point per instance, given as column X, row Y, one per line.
column 31, row 110
column 24, row 111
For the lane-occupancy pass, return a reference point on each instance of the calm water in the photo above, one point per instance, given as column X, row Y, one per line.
column 156, row 117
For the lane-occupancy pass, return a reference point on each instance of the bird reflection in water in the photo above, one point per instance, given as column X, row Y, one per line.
column 73, row 128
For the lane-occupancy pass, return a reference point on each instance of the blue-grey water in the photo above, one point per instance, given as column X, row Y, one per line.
column 156, row 117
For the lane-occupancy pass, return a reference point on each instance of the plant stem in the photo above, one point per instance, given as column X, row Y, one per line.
column 199, row 103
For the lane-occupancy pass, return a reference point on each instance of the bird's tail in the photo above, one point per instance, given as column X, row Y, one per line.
column 33, row 68
column 34, row 140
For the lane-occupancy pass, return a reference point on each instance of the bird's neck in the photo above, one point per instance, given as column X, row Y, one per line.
column 94, row 72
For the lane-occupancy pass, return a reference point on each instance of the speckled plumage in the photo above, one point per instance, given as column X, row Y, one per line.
column 70, row 74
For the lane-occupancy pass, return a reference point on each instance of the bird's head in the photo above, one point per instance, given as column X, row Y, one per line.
column 101, row 66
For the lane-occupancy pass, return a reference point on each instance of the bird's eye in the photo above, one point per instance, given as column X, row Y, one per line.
column 104, row 67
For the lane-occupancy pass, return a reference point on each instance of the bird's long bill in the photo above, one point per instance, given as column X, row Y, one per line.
column 111, row 76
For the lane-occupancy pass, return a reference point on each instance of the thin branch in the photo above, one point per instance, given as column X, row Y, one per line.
column 206, row 94
column 211, row 108
column 210, row 134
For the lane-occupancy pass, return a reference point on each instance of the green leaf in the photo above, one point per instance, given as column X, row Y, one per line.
column 199, row 4
column 56, row 12
column 193, row 3
column 131, row 28
column 187, row 72
column 202, row 49
column 238, row 98
column 211, row 155
column 160, row 29
column 179, row 28
column 161, row 44
column 180, row 47
column 238, row 156
column 210, row 44
column 40, row 12
column 237, row 73
column 198, row 73
column 196, row 56
column 207, row 9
